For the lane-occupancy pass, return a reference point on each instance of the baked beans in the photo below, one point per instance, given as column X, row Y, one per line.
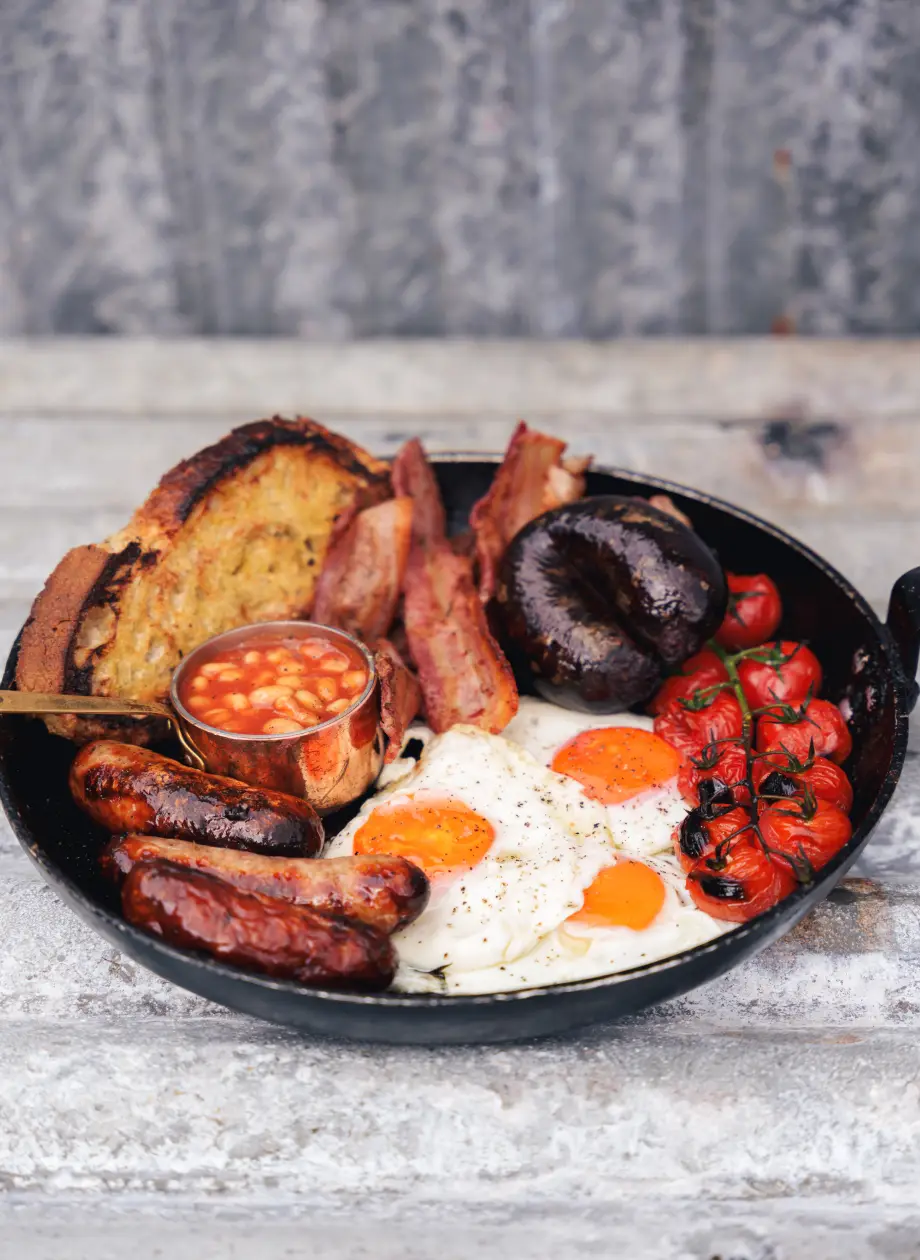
column 275, row 685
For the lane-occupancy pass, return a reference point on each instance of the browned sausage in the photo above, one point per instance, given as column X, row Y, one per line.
column 198, row 911
column 386, row 892
column 125, row 788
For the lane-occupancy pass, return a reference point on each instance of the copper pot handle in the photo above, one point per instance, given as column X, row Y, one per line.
column 36, row 703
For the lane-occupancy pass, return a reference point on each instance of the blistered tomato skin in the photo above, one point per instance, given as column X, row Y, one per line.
column 773, row 776
column 798, row 677
column 728, row 764
column 691, row 839
column 822, row 731
column 761, row 760
column 754, row 611
column 778, row 786
column 691, row 731
column 745, row 885
column 697, row 838
column 715, row 798
column 697, row 673
column 817, row 833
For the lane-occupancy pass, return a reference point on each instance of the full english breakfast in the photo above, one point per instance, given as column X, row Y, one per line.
column 555, row 745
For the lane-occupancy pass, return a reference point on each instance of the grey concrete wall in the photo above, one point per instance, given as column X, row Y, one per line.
column 336, row 168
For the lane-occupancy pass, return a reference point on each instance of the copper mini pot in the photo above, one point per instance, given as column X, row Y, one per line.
column 330, row 765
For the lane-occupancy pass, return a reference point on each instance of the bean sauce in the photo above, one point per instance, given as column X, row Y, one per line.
column 275, row 684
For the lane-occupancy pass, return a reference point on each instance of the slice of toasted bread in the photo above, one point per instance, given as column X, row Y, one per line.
column 236, row 534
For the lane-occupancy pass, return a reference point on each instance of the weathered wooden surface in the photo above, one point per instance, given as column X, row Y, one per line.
column 385, row 1229
column 740, row 379
column 770, row 1116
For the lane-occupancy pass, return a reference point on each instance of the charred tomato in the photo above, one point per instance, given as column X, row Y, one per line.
column 726, row 763
column 783, row 776
column 697, row 837
column 746, row 884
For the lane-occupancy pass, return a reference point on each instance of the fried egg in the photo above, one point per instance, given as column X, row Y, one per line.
column 634, row 912
column 530, row 884
column 509, row 848
column 618, row 760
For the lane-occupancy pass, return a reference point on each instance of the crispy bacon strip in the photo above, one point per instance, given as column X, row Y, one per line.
column 532, row 478
column 463, row 673
column 400, row 696
column 412, row 476
column 362, row 577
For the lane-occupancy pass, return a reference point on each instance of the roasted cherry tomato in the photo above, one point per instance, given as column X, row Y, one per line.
column 776, row 776
column 690, row 730
column 716, row 798
column 818, row 833
column 748, row 883
column 754, row 611
column 788, row 673
column 696, row 837
column 728, row 765
column 697, row 672
column 823, row 725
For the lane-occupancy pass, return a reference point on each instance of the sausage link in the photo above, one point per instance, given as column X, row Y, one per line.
column 386, row 892
column 125, row 788
column 198, row 911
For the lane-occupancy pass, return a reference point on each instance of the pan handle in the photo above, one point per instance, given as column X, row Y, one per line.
column 904, row 627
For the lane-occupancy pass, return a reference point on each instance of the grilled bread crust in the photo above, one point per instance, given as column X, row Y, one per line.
column 235, row 534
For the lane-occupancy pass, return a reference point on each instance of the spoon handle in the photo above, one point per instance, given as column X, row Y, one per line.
column 45, row 702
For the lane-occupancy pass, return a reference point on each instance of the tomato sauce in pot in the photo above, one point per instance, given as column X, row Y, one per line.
column 275, row 684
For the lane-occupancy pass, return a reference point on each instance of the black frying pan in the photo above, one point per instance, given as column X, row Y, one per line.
column 871, row 664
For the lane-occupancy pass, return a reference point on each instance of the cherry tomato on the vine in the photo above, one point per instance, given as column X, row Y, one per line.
column 788, row 673
column 729, row 764
column 819, row 833
column 825, row 779
column 689, row 730
column 754, row 611
column 697, row 672
column 748, row 883
column 697, row 838
column 823, row 726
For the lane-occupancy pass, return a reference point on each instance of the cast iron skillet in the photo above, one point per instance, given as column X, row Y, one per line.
column 870, row 664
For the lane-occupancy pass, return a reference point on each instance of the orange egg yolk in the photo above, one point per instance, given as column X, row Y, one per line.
column 628, row 894
column 614, row 763
column 438, row 835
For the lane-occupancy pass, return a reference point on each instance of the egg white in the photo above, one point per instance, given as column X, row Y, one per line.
column 577, row 951
column 400, row 766
column 643, row 824
column 550, row 842
column 504, row 924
